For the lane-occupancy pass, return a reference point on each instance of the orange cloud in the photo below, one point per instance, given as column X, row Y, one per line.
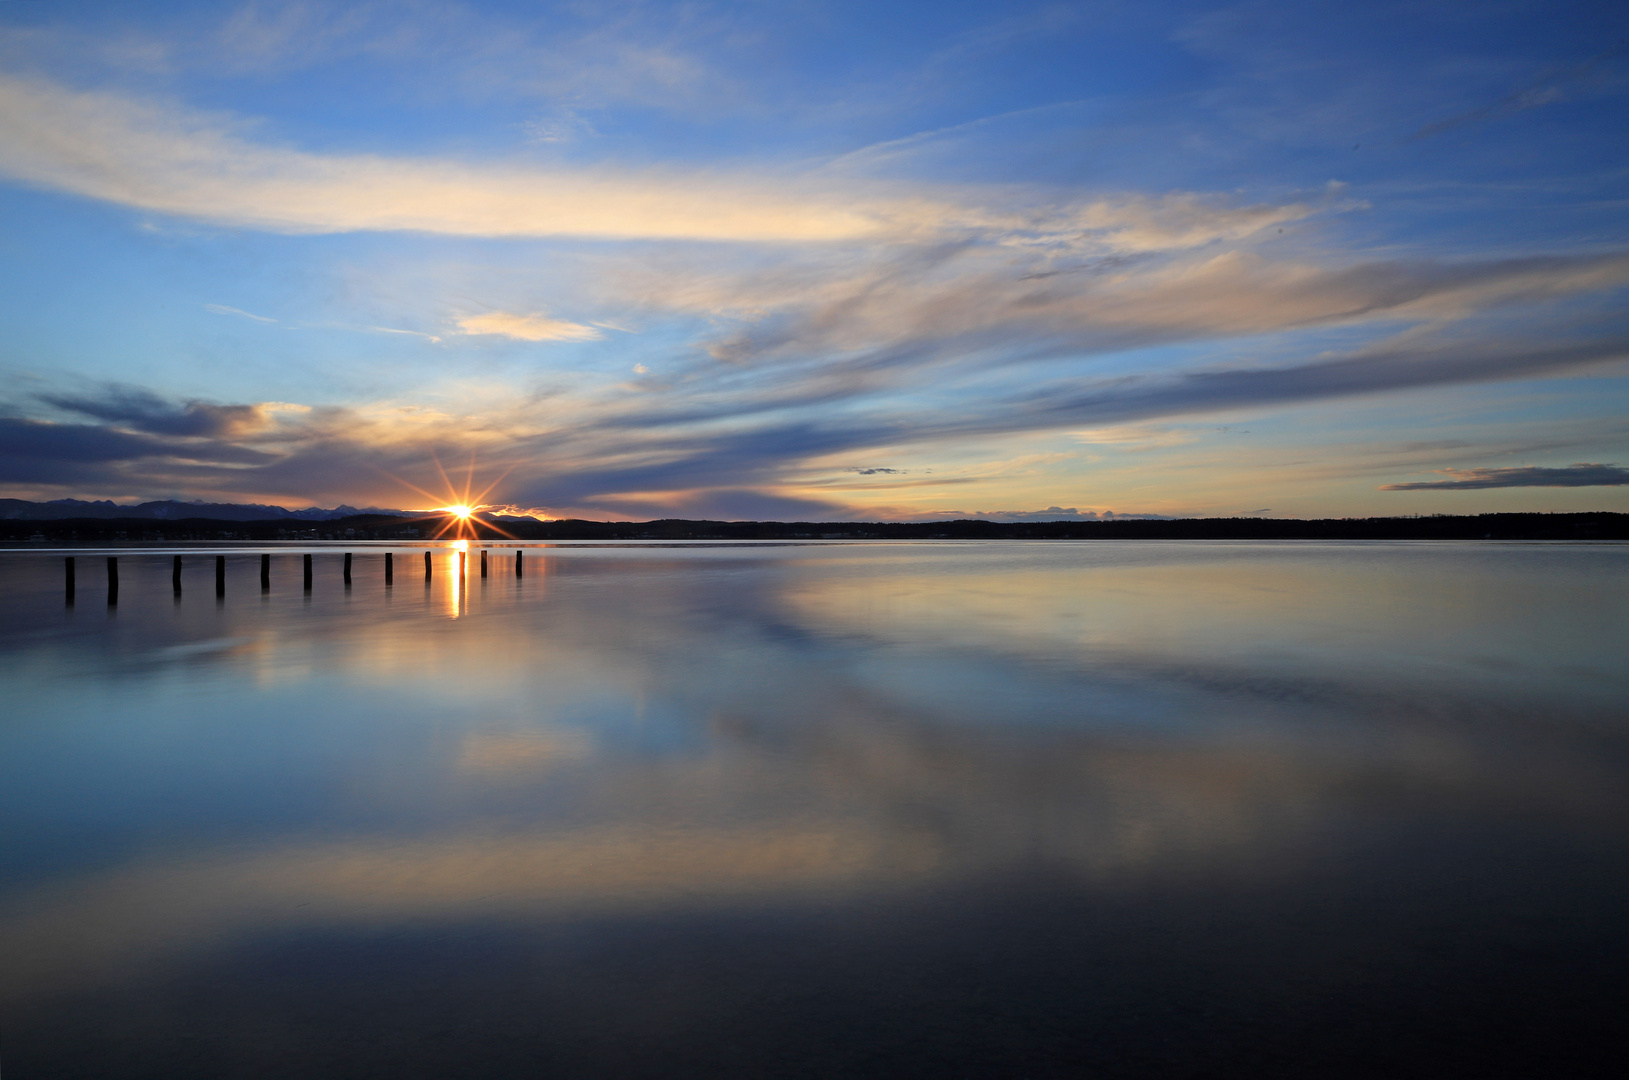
column 528, row 327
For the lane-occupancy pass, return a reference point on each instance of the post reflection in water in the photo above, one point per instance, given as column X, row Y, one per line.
column 868, row 809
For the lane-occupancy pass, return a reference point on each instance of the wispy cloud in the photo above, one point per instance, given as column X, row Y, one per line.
column 564, row 126
column 164, row 158
column 609, row 54
column 938, row 321
column 1548, row 90
column 141, row 410
column 527, row 327
column 90, row 457
column 1369, row 371
column 432, row 338
column 709, row 446
column 904, row 306
column 199, row 166
column 606, row 55
column 222, row 309
column 1582, row 474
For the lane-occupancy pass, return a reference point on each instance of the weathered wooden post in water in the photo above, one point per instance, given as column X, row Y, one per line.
column 220, row 575
column 308, row 572
column 518, row 571
column 347, row 569
column 427, row 568
column 68, row 577
column 483, row 562
column 462, row 564
column 112, row 579
column 175, row 575
column 390, row 570
column 265, row 571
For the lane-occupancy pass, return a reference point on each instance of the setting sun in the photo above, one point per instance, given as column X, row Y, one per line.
column 466, row 514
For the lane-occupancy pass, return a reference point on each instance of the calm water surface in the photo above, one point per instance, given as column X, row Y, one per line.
column 875, row 810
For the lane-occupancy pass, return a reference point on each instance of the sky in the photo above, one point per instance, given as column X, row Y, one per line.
column 818, row 261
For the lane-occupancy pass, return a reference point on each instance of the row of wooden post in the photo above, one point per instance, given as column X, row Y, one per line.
column 265, row 572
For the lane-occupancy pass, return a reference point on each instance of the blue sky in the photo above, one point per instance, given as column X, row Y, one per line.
column 818, row 260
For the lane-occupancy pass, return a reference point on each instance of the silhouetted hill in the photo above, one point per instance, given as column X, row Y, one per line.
column 398, row 526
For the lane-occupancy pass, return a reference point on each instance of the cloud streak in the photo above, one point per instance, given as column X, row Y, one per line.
column 168, row 159
column 222, row 309
column 1549, row 90
column 142, row 410
column 847, row 328
column 97, row 457
column 1581, row 474
column 713, row 445
column 192, row 165
column 527, row 327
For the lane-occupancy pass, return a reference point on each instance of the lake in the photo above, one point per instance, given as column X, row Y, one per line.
column 998, row 809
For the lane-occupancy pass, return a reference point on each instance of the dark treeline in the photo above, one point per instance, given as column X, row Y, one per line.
column 1588, row 526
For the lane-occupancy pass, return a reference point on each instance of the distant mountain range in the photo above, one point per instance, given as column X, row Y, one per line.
column 170, row 510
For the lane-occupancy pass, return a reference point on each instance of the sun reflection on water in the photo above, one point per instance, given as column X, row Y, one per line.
column 456, row 570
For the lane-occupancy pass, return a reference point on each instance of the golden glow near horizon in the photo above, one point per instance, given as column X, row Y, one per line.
column 462, row 508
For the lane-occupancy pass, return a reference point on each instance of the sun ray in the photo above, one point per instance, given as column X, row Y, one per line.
column 445, row 479
column 480, row 500
column 432, row 496
column 460, row 514
column 500, row 530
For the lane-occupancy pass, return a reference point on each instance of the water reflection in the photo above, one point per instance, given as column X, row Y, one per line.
column 889, row 735
column 457, row 579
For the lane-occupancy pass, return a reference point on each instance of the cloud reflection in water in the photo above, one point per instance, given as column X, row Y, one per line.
column 753, row 728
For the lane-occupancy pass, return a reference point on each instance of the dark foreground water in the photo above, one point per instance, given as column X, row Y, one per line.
column 874, row 810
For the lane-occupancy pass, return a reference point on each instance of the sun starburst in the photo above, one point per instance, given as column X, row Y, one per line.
column 461, row 519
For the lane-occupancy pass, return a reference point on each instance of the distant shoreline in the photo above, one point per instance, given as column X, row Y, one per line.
column 1560, row 526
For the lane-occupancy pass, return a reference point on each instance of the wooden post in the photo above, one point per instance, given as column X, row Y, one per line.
column 390, row 569
column 483, row 562
column 347, row 569
column 68, row 574
column 518, row 571
column 112, row 579
column 462, row 566
column 265, row 571
column 220, row 575
column 175, row 575
column 427, row 568
column 308, row 572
